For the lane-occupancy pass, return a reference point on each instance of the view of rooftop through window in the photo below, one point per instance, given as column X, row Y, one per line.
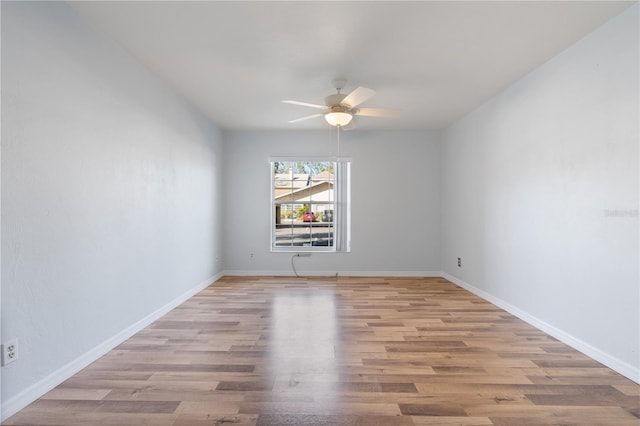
column 304, row 203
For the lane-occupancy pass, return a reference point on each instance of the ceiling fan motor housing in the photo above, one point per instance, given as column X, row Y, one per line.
column 340, row 108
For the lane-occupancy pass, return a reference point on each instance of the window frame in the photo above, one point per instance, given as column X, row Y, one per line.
column 341, row 203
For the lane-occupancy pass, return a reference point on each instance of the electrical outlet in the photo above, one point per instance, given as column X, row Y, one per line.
column 459, row 262
column 10, row 351
column 251, row 256
column 303, row 254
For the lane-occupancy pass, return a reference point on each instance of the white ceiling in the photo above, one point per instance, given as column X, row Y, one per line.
column 435, row 61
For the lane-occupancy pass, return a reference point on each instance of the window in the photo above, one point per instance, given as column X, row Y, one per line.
column 310, row 205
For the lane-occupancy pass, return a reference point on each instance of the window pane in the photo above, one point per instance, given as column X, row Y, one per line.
column 304, row 204
column 303, row 234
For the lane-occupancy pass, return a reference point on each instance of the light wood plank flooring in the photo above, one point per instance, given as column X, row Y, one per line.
column 345, row 351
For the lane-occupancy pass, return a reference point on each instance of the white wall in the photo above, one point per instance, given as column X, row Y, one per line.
column 395, row 216
column 112, row 186
column 110, row 195
column 540, row 196
column 0, row 210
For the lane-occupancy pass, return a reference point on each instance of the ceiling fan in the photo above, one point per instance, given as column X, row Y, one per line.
column 339, row 109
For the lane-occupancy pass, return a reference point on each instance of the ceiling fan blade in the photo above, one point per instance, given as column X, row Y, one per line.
column 306, row 118
column 377, row 112
column 358, row 96
column 304, row 104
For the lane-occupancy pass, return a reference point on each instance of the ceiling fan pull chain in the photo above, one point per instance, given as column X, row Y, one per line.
column 338, row 130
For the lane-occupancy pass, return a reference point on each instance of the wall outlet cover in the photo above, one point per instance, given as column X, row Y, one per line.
column 10, row 351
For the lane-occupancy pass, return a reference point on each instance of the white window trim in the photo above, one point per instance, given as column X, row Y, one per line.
column 342, row 211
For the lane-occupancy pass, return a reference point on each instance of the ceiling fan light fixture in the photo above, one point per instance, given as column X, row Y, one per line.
column 338, row 118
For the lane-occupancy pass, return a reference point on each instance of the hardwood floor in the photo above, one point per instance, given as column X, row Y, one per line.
column 345, row 351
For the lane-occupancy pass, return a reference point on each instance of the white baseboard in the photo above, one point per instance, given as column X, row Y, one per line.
column 240, row 273
column 302, row 273
column 391, row 274
column 35, row 391
column 610, row 361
